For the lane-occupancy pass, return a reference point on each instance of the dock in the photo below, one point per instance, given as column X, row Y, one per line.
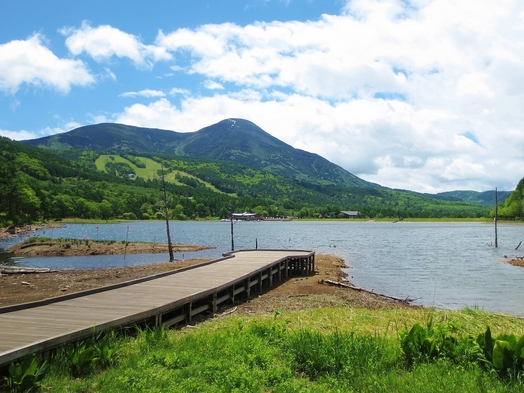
column 166, row 299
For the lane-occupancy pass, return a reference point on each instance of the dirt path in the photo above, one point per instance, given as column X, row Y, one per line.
column 294, row 294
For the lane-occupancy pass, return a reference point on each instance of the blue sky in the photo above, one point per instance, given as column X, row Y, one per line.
column 425, row 95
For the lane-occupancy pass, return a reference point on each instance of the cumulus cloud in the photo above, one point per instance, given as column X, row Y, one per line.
column 30, row 62
column 424, row 95
column 104, row 42
column 388, row 89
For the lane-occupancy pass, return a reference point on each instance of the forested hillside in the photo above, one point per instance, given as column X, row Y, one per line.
column 37, row 185
column 486, row 198
column 513, row 206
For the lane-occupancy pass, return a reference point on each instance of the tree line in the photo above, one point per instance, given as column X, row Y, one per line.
column 37, row 185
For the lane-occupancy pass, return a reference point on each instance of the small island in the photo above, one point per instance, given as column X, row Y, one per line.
column 42, row 246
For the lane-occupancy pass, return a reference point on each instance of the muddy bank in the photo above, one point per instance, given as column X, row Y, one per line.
column 294, row 294
column 70, row 247
column 14, row 231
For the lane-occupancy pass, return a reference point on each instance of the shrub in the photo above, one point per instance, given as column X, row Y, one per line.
column 129, row 216
column 25, row 376
column 433, row 342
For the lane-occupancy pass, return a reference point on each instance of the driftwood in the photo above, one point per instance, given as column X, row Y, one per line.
column 340, row 284
column 516, row 248
column 24, row 270
column 227, row 312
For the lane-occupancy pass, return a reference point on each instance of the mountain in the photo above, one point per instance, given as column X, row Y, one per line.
column 233, row 140
column 486, row 198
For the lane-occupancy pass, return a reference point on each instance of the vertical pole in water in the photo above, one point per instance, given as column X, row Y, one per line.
column 166, row 210
column 232, row 238
column 125, row 245
column 496, row 216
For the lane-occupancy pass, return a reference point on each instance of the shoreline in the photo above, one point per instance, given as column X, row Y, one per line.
column 300, row 292
column 47, row 247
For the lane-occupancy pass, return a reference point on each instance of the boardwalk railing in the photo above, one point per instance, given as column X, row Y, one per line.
column 166, row 299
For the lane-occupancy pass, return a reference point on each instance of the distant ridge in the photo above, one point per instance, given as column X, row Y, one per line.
column 232, row 140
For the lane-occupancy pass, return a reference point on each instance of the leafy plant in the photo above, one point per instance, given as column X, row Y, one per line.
column 83, row 358
column 505, row 354
column 24, row 376
column 106, row 350
column 435, row 341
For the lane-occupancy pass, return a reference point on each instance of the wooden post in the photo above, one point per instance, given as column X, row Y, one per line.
column 248, row 287
column 232, row 238
column 214, row 302
column 496, row 216
column 166, row 212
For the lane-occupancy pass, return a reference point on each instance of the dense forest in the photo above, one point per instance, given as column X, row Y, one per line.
column 513, row 206
column 39, row 185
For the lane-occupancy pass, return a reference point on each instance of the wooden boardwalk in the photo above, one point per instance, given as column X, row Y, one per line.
column 167, row 299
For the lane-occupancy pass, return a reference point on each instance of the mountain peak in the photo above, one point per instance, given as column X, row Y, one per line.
column 235, row 140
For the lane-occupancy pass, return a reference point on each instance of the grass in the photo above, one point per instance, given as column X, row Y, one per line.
column 150, row 171
column 336, row 349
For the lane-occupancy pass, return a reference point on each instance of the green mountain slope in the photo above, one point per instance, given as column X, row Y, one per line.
column 513, row 205
column 485, row 198
column 36, row 184
column 232, row 140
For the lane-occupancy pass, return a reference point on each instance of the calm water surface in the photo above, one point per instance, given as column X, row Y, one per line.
column 446, row 265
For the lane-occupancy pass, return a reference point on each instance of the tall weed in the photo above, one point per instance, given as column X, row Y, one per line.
column 316, row 354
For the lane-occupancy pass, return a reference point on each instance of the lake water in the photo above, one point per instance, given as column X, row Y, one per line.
column 446, row 265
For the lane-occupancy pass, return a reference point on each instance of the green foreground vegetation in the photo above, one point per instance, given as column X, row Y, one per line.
column 320, row 350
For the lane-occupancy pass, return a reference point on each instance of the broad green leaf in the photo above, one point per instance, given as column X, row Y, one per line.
column 499, row 355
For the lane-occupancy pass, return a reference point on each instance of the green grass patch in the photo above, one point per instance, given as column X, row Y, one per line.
column 320, row 350
column 149, row 171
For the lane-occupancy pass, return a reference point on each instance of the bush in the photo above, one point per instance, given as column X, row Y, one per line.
column 436, row 341
column 129, row 216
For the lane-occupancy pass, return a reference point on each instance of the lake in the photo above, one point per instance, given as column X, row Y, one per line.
column 446, row 265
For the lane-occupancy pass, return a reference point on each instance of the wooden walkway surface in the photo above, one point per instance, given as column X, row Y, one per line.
column 176, row 296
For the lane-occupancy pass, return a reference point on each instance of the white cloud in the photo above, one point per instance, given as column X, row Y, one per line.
column 176, row 90
column 30, row 62
column 149, row 93
column 104, row 42
column 212, row 85
column 424, row 95
column 387, row 89
column 20, row 135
